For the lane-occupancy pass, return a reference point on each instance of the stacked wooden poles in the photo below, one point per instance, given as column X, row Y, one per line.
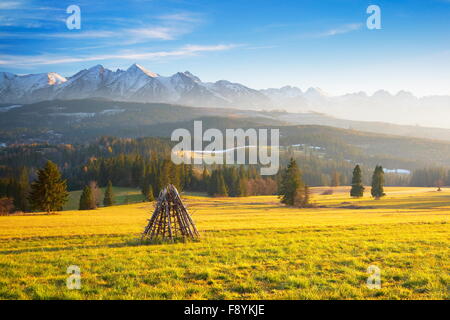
column 170, row 219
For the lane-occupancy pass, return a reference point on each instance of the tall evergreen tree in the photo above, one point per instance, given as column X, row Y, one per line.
column 87, row 200
column 205, row 179
column 21, row 191
column 108, row 200
column 49, row 192
column 291, row 189
column 357, row 190
column 221, row 189
column 378, row 183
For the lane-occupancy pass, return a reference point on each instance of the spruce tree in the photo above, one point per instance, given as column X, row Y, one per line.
column 87, row 200
column 205, row 179
column 49, row 192
column 357, row 190
column 233, row 183
column 242, row 179
column 291, row 189
column 221, row 189
column 108, row 200
column 212, row 184
column 21, row 189
column 378, row 183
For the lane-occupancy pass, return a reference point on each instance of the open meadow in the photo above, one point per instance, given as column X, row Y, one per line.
column 250, row 248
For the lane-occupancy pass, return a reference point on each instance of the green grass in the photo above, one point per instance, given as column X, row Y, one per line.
column 121, row 196
column 250, row 248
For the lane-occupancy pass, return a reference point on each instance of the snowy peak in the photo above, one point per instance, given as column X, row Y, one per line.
column 54, row 78
column 381, row 94
column 136, row 69
column 316, row 92
column 96, row 68
column 191, row 76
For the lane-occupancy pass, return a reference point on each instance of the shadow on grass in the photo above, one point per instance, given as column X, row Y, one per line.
column 135, row 242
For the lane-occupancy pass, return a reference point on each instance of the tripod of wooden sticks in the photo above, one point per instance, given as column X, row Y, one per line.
column 170, row 219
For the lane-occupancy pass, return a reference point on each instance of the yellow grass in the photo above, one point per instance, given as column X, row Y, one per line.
column 251, row 248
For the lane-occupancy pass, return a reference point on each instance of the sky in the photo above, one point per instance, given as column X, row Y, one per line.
column 259, row 43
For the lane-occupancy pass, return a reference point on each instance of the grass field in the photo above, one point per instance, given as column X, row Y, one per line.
column 251, row 248
column 121, row 196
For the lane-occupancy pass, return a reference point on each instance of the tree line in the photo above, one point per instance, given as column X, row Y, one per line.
column 49, row 191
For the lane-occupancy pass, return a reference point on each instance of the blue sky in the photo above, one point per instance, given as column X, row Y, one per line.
column 260, row 44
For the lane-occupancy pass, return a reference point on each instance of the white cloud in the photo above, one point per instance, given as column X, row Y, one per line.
column 338, row 30
column 9, row 5
column 51, row 59
column 165, row 27
column 180, row 16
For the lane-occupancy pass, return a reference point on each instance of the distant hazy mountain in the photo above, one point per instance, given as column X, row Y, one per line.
column 136, row 84
column 402, row 108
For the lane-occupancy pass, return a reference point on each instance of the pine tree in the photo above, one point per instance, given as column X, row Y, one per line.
column 357, row 190
column 108, row 200
column 87, row 201
column 233, row 183
column 378, row 183
column 49, row 192
column 205, row 179
column 21, row 191
column 221, row 189
column 292, row 189
column 242, row 179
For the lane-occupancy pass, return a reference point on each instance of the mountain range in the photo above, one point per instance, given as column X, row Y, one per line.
column 137, row 84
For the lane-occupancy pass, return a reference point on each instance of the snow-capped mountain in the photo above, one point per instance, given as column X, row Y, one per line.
column 134, row 84
column 18, row 88
column 137, row 84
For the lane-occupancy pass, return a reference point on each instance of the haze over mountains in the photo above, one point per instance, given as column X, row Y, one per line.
column 137, row 84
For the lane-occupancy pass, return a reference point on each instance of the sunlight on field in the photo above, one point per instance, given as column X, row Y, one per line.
column 251, row 248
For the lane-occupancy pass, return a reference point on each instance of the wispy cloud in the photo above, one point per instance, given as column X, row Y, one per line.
column 260, row 47
column 164, row 27
column 9, row 5
column 51, row 59
column 130, row 36
column 181, row 16
column 338, row 30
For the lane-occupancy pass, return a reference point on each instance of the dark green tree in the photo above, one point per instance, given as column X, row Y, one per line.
column 21, row 190
column 49, row 192
column 108, row 200
column 357, row 190
column 292, row 189
column 221, row 189
column 87, row 200
column 378, row 183
column 205, row 179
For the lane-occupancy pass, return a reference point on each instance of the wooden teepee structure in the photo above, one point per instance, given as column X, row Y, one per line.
column 170, row 220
